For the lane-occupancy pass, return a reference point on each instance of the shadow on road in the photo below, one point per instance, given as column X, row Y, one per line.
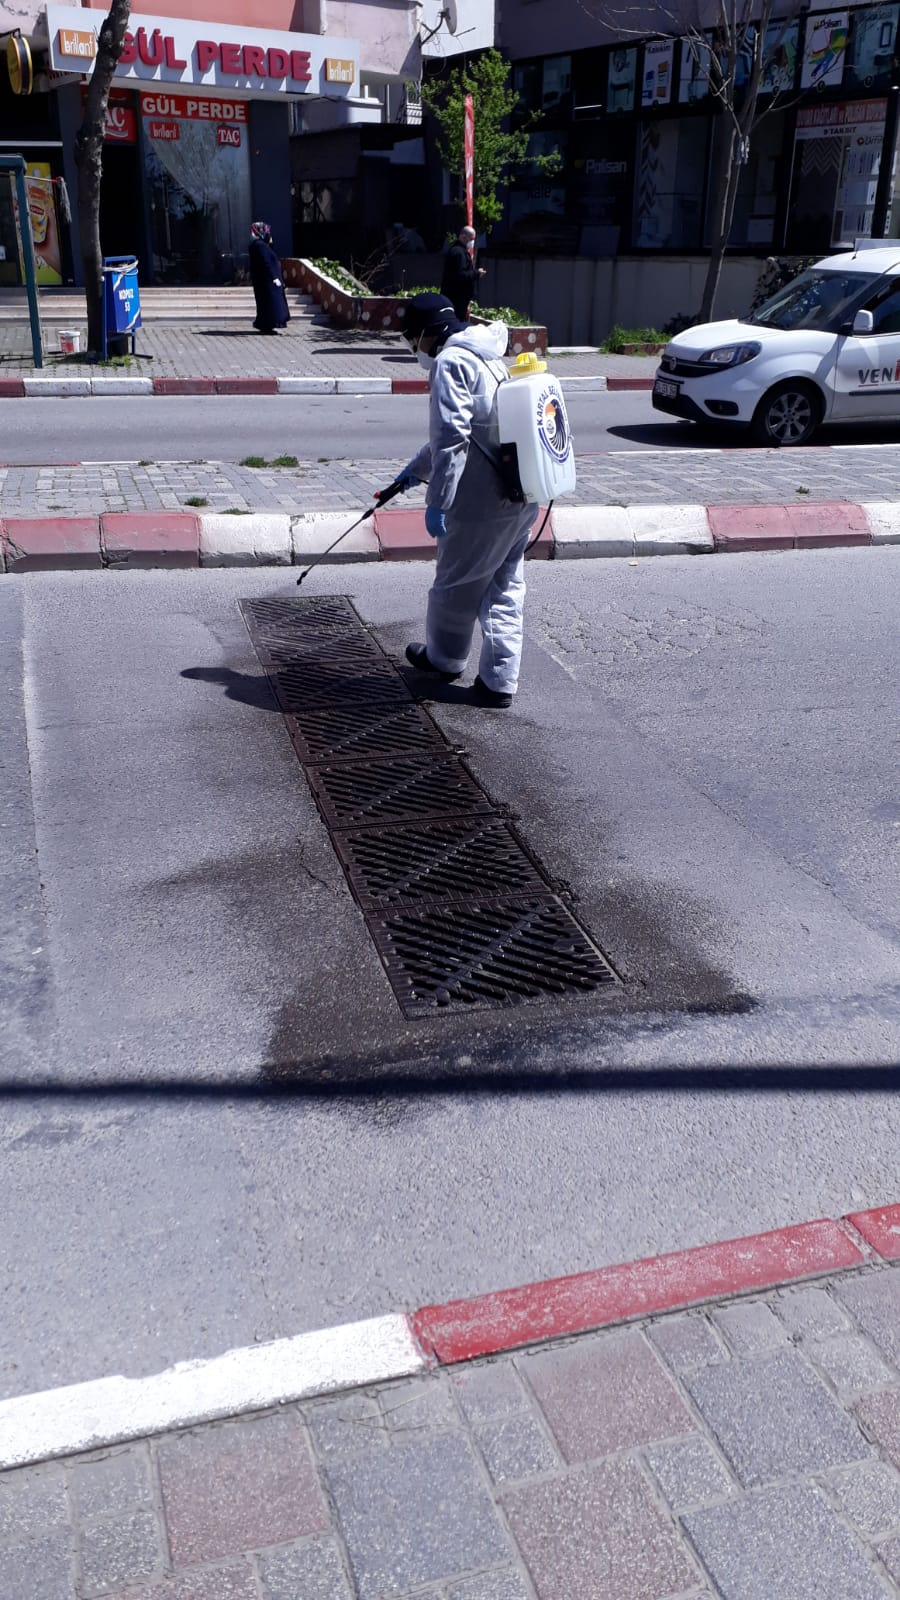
column 677, row 436
column 326, row 1083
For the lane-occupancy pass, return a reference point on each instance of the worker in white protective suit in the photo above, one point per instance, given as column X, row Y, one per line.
column 481, row 534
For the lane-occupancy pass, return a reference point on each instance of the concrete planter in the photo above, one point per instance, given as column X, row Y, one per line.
column 637, row 349
column 380, row 313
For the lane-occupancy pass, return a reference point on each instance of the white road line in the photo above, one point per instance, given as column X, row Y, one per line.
column 90, row 1416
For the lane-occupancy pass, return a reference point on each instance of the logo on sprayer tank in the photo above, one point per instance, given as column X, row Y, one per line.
column 553, row 424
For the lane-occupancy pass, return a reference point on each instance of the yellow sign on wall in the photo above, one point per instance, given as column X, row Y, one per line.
column 77, row 43
column 337, row 71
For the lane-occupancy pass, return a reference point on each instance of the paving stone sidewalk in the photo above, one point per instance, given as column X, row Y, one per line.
column 748, row 1451
column 304, row 349
column 660, row 477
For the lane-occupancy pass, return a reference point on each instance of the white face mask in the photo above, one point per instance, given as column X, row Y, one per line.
column 424, row 360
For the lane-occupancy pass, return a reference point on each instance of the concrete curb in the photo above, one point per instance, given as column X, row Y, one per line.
column 108, row 1411
column 123, row 540
column 66, row 388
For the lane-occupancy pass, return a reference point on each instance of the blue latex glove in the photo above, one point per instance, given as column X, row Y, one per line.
column 435, row 522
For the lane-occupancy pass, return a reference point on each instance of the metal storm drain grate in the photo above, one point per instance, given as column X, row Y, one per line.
column 316, row 679
column 460, row 913
column 486, row 951
column 436, row 861
column 383, row 791
column 358, row 731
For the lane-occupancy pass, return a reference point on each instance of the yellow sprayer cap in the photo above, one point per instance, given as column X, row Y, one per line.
column 527, row 363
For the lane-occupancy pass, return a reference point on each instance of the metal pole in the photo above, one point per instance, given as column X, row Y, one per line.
column 881, row 208
column 16, row 165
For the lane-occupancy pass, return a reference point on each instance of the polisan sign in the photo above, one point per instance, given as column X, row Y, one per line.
column 172, row 50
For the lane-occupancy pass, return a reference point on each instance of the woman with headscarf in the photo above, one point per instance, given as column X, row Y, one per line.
column 265, row 274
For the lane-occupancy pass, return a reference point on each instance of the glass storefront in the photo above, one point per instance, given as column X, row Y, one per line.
column 197, row 166
column 643, row 132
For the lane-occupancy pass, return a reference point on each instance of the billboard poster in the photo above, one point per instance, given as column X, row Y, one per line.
column 871, row 52
column 826, row 47
column 659, row 56
column 780, row 48
column 44, row 223
column 469, row 161
column 696, row 61
column 621, row 80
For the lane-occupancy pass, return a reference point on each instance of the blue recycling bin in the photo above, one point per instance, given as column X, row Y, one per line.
column 121, row 304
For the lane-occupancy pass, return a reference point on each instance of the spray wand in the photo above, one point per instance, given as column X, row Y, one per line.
column 399, row 486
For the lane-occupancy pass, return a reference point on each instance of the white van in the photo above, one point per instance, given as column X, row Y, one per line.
column 825, row 348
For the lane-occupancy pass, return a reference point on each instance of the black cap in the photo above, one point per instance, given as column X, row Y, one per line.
column 432, row 315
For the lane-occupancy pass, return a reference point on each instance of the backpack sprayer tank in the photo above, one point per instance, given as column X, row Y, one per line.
column 535, row 436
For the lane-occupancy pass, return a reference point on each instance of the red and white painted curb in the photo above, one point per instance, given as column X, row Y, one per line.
column 90, row 1416
column 55, row 388
column 125, row 540
column 77, row 388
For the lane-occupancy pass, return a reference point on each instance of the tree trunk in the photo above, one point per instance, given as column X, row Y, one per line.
column 89, row 161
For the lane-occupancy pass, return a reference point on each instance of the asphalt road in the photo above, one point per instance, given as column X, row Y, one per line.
column 217, row 1128
column 227, row 428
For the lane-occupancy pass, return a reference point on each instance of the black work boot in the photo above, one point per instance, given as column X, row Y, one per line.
column 495, row 698
column 417, row 656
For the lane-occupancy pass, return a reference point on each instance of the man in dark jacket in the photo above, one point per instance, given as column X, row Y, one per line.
column 460, row 273
column 265, row 274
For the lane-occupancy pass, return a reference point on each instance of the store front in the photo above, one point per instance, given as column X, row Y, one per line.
column 637, row 132
column 197, row 136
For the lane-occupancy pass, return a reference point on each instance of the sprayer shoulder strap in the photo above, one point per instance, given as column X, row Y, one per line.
column 488, row 456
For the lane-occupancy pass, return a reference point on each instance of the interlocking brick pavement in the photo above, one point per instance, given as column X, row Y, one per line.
column 745, row 1451
column 659, row 477
column 303, row 349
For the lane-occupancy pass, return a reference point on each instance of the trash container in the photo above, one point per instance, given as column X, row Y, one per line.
column 121, row 304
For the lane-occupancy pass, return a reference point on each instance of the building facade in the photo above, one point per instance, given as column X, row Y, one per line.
column 636, row 129
column 216, row 111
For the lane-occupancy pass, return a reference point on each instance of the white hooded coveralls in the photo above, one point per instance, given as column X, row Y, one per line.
column 480, row 560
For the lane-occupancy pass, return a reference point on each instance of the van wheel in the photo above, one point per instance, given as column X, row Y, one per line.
column 788, row 415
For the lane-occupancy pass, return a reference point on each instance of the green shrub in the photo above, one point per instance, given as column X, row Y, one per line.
column 338, row 274
column 617, row 337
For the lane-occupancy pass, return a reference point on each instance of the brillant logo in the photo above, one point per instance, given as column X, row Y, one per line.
column 553, row 424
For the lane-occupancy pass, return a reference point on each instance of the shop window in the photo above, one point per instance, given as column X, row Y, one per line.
column 527, row 85
column 198, row 175
column 600, row 187
column 834, row 174
column 556, row 84
column 325, row 200
column 754, row 210
column 669, row 192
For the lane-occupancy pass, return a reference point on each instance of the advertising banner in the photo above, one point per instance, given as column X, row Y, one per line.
column 659, row 56
column 621, row 80
column 44, row 223
column 871, row 53
column 469, row 158
column 826, row 47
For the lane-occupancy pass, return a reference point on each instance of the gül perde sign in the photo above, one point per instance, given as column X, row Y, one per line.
column 175, row 50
